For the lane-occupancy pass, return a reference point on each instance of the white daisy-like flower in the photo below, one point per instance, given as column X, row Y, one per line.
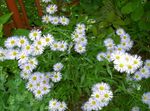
column 108, row 56
column 49, row 39
column 22, row 41
column 81, row 40
column 75, row 36
column 109, row 43
column 25, row 75
column 35, row 34
column 46, row 19
column 146, row 98
column 51, row 9
column 58, row 66
column 22, row 57
column 137, row 76
column 63, row 20
column 80, row 48
column 40, row 42
column 100, row 56
column 37, row 50
column 11, row 42
column 38, row 93
column 30, row 86
column 33, row 62
column 2, row 54
column 55, row 20
column 46, row 89
column 28, row 48
column 27, row 68
column 107, row 95
column 120, row 31
column 80, row 28
column 125, row 37
column 62, row 106
column 53, row 105
column 94, row 104
column 62, row 46
column 54, row 46
column 56, row 77
column 135, row 108
column 100, row 87
column 145, row 72
column 12, row 53
column 120, row 48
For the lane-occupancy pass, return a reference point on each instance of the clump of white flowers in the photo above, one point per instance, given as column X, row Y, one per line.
column 79, row 38
column 50, row 18
column 55, row 105
column 101, row 96
column 39, row 84
column 146, row 98
column 25, row 51
column 123, row 61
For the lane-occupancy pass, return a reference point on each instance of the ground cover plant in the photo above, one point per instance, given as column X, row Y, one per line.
column 87, row 57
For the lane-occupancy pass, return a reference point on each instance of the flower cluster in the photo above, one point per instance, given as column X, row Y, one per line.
column 146, row 98
column 39, row 83
column 101, row 95
column 55, row 105
column 25, row 51
column 123, row 61
column 143, row 72
column 79, row 38
column 55, row 20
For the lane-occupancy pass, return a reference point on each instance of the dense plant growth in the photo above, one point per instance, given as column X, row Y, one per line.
column 86, row 55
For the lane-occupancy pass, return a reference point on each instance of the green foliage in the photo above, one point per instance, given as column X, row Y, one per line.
column 3, row 20
column 102, row 18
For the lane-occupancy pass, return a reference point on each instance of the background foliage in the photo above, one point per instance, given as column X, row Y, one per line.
column 102, row 18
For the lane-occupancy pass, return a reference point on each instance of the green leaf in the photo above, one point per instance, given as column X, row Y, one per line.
column 137, row 14
column 128, row 8
column 5, row 18
column 21, row 32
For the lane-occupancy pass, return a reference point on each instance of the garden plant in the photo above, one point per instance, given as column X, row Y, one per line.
column 81, row 55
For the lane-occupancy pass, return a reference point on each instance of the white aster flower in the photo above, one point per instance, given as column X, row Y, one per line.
column 35, row 34
column 25, row 75
column 49, row 39
column 55, row 20
column 63, row 20
column 22, row 41
column 120, row 31
column 62, row 106
column 11, row 42
column 80, row 48
column 58, row 66
column 53, row 105
column 62, row 46
column 46, row 18
column 100, row 56
column 51, row 9
column 146, row 98
column 56, row 77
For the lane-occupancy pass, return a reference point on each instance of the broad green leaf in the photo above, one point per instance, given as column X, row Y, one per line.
column 128, row 8
column 5, row 18
column 137, row 13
